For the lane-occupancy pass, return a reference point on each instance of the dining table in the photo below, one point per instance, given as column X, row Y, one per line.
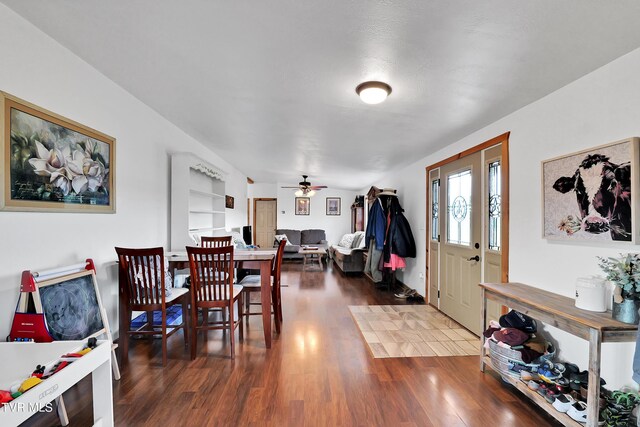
column 244, row 258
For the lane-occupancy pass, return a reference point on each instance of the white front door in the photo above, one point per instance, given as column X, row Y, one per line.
column 460, row 240
column 465, row 234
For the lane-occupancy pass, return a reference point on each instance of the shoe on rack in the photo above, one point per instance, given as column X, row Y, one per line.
column 582, row 379
column 570, row 368
column 528, row 376
column 543, row 388
column 578, row 411
column 562, row 385
column 563, row 403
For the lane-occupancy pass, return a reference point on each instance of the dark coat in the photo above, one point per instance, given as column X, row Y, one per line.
column 376, row 225
column 399, row 238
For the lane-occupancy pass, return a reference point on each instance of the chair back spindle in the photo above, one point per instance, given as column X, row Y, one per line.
column 215, row 242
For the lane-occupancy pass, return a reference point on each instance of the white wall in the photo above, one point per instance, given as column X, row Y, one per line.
column 598, row 108
column 334, row 226
column 39, row 70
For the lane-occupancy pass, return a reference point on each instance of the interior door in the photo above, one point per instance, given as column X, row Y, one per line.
column 265, row 222
column 460, row 267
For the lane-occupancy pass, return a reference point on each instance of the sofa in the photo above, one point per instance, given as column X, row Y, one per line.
column 348, row 254
column 298, row 238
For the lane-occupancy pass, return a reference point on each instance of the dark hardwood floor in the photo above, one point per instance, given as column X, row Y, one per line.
column 318, row 373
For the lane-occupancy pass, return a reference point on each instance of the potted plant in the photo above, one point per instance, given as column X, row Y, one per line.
column 624, row 273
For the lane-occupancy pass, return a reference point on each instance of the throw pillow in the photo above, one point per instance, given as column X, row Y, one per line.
column 363, row 242
column 358, row 236
column 280, row 237
column 346, row 241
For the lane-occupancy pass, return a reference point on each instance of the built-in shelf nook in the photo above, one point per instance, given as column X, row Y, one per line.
column 197, row 200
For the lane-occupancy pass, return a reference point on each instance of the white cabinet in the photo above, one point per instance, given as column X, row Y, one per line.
column 197, row 200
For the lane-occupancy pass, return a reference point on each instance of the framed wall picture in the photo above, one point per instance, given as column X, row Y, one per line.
column 53, row 164
column 228, row 202
column 592, row 195
column 333, row 206
column 302, row 205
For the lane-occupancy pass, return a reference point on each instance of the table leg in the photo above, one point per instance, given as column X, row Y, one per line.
column 593, row 395
column 483, row 323
column 265, row 297
column 102, row 395
column 320, row 262
column 62, row 411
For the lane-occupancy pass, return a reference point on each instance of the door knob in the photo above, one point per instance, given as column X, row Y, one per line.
column 474, row 258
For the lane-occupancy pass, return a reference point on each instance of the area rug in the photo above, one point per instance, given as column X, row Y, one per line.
column 412, row 331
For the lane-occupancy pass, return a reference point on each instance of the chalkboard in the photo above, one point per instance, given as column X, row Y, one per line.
column 70, row 306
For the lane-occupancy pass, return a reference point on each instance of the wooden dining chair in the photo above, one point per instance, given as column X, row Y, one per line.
column 143, row 288
column 215, row 242
column 252, row 283
column 212, row 287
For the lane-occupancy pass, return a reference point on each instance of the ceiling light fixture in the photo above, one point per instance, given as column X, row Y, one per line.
column 305, row 192
column 373, row 92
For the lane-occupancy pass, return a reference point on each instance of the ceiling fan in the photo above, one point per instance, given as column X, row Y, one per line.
column 305, row 188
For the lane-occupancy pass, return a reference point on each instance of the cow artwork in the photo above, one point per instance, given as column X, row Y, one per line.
column 587, row 196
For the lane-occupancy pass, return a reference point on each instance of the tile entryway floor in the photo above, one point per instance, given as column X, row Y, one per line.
column 412, row 331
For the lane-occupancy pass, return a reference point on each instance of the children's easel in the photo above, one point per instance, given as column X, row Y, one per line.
column 29, row 323
column 29, row 320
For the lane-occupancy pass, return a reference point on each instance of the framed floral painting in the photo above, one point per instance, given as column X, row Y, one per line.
column 53, row 164
column 592, row 195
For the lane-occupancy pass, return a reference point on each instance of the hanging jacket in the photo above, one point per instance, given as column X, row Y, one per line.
column 376, row 225
column 400, row 240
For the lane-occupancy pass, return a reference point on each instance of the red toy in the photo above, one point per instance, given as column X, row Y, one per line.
column 39, row 372
column 5, row 397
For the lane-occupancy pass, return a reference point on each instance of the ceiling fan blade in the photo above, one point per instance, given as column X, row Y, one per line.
column 290, row 187
column 318, row 187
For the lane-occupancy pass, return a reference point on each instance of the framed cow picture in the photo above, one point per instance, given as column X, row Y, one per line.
column 592, row 195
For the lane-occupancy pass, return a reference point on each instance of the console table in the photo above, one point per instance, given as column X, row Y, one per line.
column 559, row 311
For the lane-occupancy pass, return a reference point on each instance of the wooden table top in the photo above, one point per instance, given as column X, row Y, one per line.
column 558, row 305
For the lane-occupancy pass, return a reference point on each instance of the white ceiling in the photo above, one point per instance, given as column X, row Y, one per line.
column 270, row 85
